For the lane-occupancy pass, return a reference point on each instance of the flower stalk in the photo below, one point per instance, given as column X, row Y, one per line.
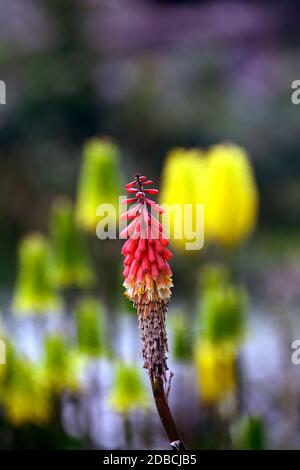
column 148, row 282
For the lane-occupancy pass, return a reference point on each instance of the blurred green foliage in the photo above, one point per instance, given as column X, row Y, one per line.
column 182, row 338
column 128, row 391
column 91, row 327
column 223, row 306
column 249, row 433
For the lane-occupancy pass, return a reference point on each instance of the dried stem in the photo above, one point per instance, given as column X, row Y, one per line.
column 169, row 385
column 165, row 414
column 154, row 348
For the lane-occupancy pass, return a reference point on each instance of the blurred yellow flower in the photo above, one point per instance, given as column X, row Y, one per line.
column 222, row 180
column 215, row 371
column 99, row 181
column 183, row 183
column 34, row 291
column 231, row 197
column 24, row 393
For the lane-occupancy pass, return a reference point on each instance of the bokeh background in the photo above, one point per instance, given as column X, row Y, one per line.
column 96, row 91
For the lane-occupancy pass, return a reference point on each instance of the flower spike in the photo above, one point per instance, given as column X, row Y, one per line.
column 148, row 282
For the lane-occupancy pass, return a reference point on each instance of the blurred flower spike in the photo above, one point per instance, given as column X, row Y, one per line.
column 24, row 392
column 221, row 181
column 34, row 291
column 223, row 308
column 99, row 182
column 216, row 372
column 222, row 325
column 182, row 197
column 69, row 262
column 231, row 198
column 128, row 391
column 62, row 366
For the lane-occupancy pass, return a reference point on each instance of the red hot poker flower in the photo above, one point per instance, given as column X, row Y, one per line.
column 147, row 274
column 148, row 282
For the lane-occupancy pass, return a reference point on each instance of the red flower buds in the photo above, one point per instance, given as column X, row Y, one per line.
column 147, row 274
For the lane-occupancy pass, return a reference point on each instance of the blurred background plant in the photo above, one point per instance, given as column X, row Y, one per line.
column 128, row 393
column 221, row 326
column 248, row 433
column 197, row 96
column 183, row 183
column 61, row 364
column 69, row 264
column 34, row 291
column 99, row 182
column 182, row 337
column 231, row 198
column 91, row 327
